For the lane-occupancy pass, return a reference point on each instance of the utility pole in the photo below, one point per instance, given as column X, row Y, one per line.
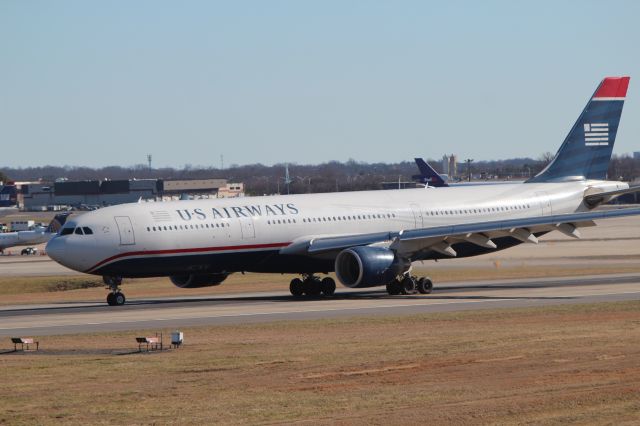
column 149, row 161
column 469, row 161
column 221, row 162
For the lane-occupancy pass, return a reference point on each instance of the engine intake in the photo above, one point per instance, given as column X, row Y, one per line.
column 360, row 267
column 198, row 280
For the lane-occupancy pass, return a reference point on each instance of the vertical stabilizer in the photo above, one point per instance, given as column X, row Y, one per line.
column 586, row 151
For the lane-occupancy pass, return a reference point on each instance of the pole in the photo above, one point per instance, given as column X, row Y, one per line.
column 469, row 161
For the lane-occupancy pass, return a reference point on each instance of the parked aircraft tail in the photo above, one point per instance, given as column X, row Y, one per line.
column 428, row 175
column 586, row 151
column 57, row 223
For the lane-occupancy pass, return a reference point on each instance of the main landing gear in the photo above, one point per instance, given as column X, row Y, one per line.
column 312, row 286
column 115, row 297
column 410, row 285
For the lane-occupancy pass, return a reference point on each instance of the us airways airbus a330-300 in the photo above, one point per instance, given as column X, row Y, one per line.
column 368, row 238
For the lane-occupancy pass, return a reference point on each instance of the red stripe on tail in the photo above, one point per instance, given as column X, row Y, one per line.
column 613, row 87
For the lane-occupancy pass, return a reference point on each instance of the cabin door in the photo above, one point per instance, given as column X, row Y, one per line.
column 545, row 203
column 417, row 216
column 127, row 236
column 246, row 225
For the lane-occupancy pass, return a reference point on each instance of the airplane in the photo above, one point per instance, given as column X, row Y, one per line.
column 368, row 238
column 428, row 175
column 39, row 235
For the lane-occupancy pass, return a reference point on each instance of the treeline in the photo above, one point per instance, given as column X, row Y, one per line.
column 326, row 177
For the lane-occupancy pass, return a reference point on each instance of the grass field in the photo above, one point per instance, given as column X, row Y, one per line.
column 554, row 365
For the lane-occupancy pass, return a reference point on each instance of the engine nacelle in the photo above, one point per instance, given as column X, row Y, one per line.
column 368, row 266
column 198, row 280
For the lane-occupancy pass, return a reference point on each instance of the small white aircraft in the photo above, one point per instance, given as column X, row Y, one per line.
column 40, row 234
column 368, row 238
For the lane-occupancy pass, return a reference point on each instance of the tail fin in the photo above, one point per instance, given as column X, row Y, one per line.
column 586, row 151
column 428, row 175
column 57, row 222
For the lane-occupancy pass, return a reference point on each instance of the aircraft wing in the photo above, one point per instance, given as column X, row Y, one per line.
column 440, row 238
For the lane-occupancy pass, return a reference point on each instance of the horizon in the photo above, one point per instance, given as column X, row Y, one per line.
column 294, row 164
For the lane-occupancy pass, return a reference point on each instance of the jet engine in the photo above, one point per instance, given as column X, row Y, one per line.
column 369, row 266
column 197, row 280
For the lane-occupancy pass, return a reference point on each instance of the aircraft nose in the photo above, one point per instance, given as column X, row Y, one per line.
column 56, row 249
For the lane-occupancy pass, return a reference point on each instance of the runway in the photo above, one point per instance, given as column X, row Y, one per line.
column 163, row 313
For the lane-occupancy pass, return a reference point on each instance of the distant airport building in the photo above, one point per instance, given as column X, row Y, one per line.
column 450, row 165
column 94, row 193
column 231, row 190
column 8, row 195
column 636, row 155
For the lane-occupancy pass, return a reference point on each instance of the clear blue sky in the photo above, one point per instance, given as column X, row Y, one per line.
column 106, row 82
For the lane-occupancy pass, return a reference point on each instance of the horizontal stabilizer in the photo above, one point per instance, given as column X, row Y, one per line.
column 593, row 200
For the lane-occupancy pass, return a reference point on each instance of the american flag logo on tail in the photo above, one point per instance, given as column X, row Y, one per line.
column 596, row 134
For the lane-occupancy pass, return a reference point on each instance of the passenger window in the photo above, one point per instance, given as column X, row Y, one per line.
column 87, row 230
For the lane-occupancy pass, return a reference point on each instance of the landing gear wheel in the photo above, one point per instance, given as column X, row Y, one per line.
column 408, row 285
column 394, row 288
column 296, row 287
column 328, row 286
column 119, row 299
column 425, row 285
column 115, row 299
column 312, row 287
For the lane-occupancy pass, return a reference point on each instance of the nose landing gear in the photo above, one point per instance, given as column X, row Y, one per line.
column 115, row 297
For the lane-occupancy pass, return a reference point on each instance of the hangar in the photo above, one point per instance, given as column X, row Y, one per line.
column 91, row 194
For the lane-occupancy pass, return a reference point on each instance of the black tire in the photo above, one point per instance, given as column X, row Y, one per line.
column 328, row 286
column 312, row 287
column 408, row 285
column 425, row 285
column 393, row 288
column 119, row 299
column 296, row 287
column 111, row 299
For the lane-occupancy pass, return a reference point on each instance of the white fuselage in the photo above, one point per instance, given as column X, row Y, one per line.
column 245, row 234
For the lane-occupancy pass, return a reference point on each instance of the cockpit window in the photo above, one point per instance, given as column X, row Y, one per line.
column 87, row 230
column 66, row 231
column 79, row 231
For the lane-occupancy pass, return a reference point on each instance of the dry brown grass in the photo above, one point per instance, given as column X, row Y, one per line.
column 577, row 363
